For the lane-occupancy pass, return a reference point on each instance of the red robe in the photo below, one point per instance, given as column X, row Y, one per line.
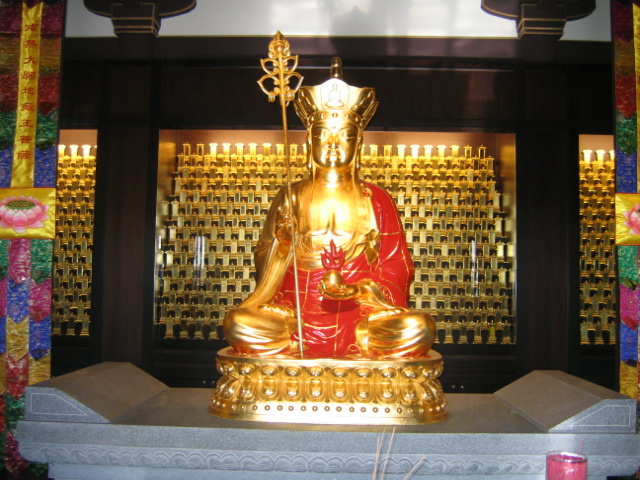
column 329, row 325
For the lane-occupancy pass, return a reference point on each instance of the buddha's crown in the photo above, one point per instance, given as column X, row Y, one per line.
column 336, row 96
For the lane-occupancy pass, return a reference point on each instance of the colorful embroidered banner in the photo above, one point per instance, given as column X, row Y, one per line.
column 30, row 46
column 625, row 18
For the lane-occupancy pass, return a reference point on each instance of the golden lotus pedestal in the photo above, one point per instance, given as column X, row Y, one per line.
column 329, row 391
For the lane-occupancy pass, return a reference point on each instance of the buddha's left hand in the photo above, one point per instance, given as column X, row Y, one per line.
column 365, row 292
column 332, row 286
column 339, row 291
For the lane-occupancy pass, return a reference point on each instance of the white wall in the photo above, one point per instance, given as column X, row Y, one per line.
column 395, row 18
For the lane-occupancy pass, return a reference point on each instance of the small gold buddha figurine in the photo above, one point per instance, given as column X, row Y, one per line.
column 354, row 268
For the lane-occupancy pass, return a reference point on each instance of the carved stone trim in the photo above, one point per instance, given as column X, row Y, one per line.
column 304, row 463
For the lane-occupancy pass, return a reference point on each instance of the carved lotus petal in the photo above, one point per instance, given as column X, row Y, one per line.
column 340, row 372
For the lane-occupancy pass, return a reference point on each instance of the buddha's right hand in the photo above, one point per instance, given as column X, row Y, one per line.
column 285, row 225
column 273, row 310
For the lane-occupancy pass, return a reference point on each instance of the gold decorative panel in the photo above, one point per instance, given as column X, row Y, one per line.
column 449, row 197
column 73, row 245
column 597, row 245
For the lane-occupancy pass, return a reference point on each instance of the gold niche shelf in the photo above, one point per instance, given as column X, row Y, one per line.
column 455, row 217
column 598, row 278
column 73, row 245
column 443, row 199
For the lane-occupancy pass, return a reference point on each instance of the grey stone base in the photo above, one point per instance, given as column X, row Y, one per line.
column 129, row 426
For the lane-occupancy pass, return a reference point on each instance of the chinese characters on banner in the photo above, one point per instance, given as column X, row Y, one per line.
column 30, row 42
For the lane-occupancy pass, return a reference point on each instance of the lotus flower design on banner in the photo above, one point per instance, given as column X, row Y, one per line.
column 27, row 213
column 628, row 219
column 633, row 220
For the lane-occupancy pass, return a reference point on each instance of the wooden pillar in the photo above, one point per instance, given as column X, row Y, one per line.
column 125, row 223
column 547, row 224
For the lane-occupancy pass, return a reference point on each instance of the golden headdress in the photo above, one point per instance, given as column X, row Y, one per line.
column 334, row 95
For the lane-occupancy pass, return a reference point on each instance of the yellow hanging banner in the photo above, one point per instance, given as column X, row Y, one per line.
column 27, row 111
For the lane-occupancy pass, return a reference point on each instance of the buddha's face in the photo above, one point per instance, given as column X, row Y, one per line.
column 334, row 141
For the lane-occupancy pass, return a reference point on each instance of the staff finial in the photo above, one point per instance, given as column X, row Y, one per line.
column 280, row 69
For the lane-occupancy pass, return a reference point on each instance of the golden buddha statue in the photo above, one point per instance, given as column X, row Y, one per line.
column 354, row 268
column 327, row 336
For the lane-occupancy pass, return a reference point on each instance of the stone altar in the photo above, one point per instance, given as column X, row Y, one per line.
column 113, row 421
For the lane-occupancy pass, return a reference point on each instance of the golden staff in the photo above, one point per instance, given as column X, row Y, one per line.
column 280, row 68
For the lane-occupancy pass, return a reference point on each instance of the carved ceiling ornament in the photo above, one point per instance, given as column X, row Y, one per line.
column 138, row 16
column 540, row 17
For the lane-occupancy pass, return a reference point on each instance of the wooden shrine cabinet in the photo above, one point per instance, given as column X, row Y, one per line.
column 528, row 115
